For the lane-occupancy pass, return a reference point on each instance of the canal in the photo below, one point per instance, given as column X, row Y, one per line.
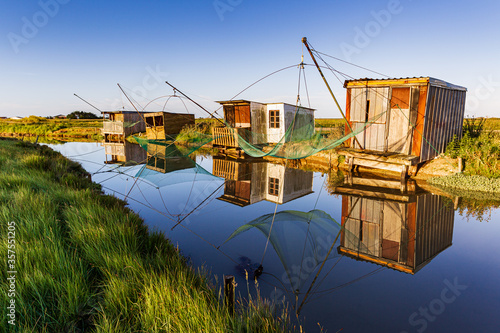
column 357, row 254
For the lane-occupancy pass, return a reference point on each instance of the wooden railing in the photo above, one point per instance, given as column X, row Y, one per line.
column 225, row 169
column 224, row 136
column 112, row 127
column 114, row 149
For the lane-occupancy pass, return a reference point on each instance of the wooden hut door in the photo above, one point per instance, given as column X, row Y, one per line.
column 399, row 132
column 369, row 106
column 229, row 114
column 242, row 115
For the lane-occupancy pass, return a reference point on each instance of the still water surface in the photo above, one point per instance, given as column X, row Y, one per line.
column 402, row 262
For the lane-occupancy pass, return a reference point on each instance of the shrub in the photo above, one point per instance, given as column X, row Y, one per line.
column 480, row 154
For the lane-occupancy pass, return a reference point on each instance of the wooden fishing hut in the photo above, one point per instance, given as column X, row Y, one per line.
column 250, row 182
column 258, row 123
column 402, row 231
column 414, row 120
column 117, row 125
column 123, row 152
column 161, row 125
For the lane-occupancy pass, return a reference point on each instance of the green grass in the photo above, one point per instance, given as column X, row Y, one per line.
column 480, row 154
column 86, row 263
column 52, row 127
column 329, row 122
column 468, row 183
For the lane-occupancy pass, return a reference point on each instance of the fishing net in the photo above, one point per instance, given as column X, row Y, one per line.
column 299, row 140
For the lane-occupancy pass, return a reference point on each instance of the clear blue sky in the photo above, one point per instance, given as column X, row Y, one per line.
column 211, row 50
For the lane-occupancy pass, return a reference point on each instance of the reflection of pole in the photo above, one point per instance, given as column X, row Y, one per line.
column 304, row 40
column 319, row 271
column 191, row 212
column 326, row 257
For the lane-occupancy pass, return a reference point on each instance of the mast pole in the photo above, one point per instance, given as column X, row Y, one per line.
column 304, row 40
column 180, row 92
column 87, row 103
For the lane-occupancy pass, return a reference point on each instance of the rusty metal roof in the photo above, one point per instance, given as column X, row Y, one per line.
column 422, row 80
column 244, row 101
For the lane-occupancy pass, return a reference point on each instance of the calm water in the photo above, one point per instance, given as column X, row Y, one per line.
column 444, row 271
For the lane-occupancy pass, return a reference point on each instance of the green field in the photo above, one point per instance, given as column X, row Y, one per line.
column 85, row 128
column 86, row 263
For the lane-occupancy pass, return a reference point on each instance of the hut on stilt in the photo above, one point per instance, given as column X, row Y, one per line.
column 410, row 121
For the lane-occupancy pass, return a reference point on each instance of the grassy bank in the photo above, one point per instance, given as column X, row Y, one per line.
column 78, row 128
column 86, row 263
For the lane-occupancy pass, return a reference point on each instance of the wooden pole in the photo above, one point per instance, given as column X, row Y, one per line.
column 304, row 40
column 210, row 114
column 229, row 286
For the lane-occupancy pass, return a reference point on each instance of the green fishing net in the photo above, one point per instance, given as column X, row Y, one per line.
column 299, row 140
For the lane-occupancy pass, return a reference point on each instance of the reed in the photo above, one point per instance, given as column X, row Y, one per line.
column 86, row 263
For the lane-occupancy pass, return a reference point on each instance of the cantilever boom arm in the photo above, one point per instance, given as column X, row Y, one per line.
column 304, row 40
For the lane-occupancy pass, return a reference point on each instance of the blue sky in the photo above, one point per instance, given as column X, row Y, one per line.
column 211, row 50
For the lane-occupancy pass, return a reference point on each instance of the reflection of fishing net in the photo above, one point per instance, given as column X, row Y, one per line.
column 299, row 140
column 168, row 164
column 198, row 140
column 301, row 240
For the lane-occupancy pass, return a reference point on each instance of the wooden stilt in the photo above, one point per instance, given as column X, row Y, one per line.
column 229, row 287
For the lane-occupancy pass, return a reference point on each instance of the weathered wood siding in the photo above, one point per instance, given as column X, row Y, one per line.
column 377, row 100
column 421, row 115
column 123, row 123
column 159, row 125
column 133, row 123
column 258, row 124
column 124, row 152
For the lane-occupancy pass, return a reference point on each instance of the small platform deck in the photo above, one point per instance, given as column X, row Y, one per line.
column 405, row 164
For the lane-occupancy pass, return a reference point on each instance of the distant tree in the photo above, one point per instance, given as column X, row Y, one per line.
column 81, row 115
column 33, row 119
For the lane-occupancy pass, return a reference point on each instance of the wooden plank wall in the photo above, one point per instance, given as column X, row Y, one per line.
column 135, row 119
column 374, row 137
column 174, row 122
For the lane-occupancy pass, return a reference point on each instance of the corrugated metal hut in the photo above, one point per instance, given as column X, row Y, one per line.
column 415, row 118
column 159, row 125
column 258, row 123
column 402, row 231
column 120, row 124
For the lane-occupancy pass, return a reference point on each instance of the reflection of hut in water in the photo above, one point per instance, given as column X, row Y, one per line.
column 122, row 152
column 403, row 231
column 414, row 120
column 167, row 158
column 117, row 125
column 259, row 123
column 160, row 125
column 251, row 182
